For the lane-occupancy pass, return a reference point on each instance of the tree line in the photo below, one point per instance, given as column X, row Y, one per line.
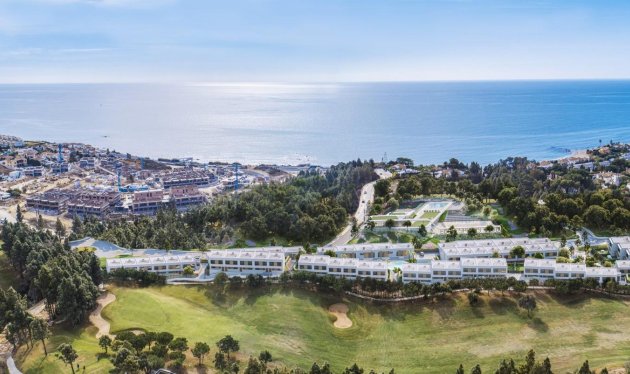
column 543, row 200
column 147, row 352
column 312, row 207
column 529, row 366
column 48, row 269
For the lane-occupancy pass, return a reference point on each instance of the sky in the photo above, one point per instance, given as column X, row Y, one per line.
column 312, row 40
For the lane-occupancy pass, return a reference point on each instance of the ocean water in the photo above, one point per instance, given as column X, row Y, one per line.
column 325, row 123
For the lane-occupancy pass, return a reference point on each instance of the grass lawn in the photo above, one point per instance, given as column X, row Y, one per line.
column 382, row 217
column 429, row 215
column 370, row 237
column 425, row 337
column 419, row 223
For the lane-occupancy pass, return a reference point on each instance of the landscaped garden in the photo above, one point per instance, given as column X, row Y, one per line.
column 297, row 328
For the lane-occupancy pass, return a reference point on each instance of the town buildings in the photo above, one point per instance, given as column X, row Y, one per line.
column 198, row 178
column 53, row 202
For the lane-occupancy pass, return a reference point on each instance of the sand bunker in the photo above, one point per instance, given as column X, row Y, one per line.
column 340, row 311
column 95, row 317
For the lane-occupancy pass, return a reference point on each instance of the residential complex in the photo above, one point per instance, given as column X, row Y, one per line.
column 354, row 262
column 543, row 269
column 187, row 178
column 163, row 265
column 497, row 248
column 53, row 201
column 376, row 251
column 619, row 247
column 243, row 262
column 350, row 268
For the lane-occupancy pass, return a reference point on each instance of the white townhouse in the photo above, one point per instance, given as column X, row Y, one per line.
column 566, row 271
column 343, row 267
column 417, row 272
column 372, row 269
column 242, row 263
column 603, row 274
column 623, row 266
column 542, row 270
column 163, row 265
column 486, row 248
column 376, row 251
column 443, row 271
column 314, row 264
column 484, row 267
column 438, row 271
column 619, row 247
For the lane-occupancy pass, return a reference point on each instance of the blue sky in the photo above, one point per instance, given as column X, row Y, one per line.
column 315, row 40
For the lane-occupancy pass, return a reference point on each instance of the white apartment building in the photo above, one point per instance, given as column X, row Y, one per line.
column 378, row 251
column 543, row 269
column 418, row 272
column 163, row 265
column 444, row 271
column 619, row 247
column 484, row 267
column 623, row 266
column 242, row 263
column 485, row 248
column 343, row 267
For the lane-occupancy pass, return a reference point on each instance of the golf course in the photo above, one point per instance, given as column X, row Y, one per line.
column 297, row 328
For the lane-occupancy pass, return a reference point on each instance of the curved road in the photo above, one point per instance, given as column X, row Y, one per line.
column 362, row 213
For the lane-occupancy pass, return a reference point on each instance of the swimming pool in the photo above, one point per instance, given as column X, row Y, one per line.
column 396, row 264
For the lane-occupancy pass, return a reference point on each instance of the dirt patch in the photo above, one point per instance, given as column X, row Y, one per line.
column 95, row 317
column 340, row 311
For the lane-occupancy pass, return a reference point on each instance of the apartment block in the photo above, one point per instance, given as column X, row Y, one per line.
column 487, row 248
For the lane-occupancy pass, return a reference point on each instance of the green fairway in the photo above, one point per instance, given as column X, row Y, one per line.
column 427, row 337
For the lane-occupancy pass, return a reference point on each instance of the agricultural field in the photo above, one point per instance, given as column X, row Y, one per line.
column 297, row 328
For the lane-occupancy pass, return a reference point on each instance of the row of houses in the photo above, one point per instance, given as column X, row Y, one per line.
column 487, row 248
column 265, row 261
column 543, row 269
column 375, row 251
column 441, row 271
column 84, row 202
column 74, row 201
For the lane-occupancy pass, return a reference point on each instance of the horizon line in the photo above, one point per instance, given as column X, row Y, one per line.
column 281, row 82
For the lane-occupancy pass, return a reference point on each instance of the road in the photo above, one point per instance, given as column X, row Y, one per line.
column 363, row 211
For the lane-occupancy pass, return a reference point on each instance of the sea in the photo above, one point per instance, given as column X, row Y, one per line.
column 253, row 123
